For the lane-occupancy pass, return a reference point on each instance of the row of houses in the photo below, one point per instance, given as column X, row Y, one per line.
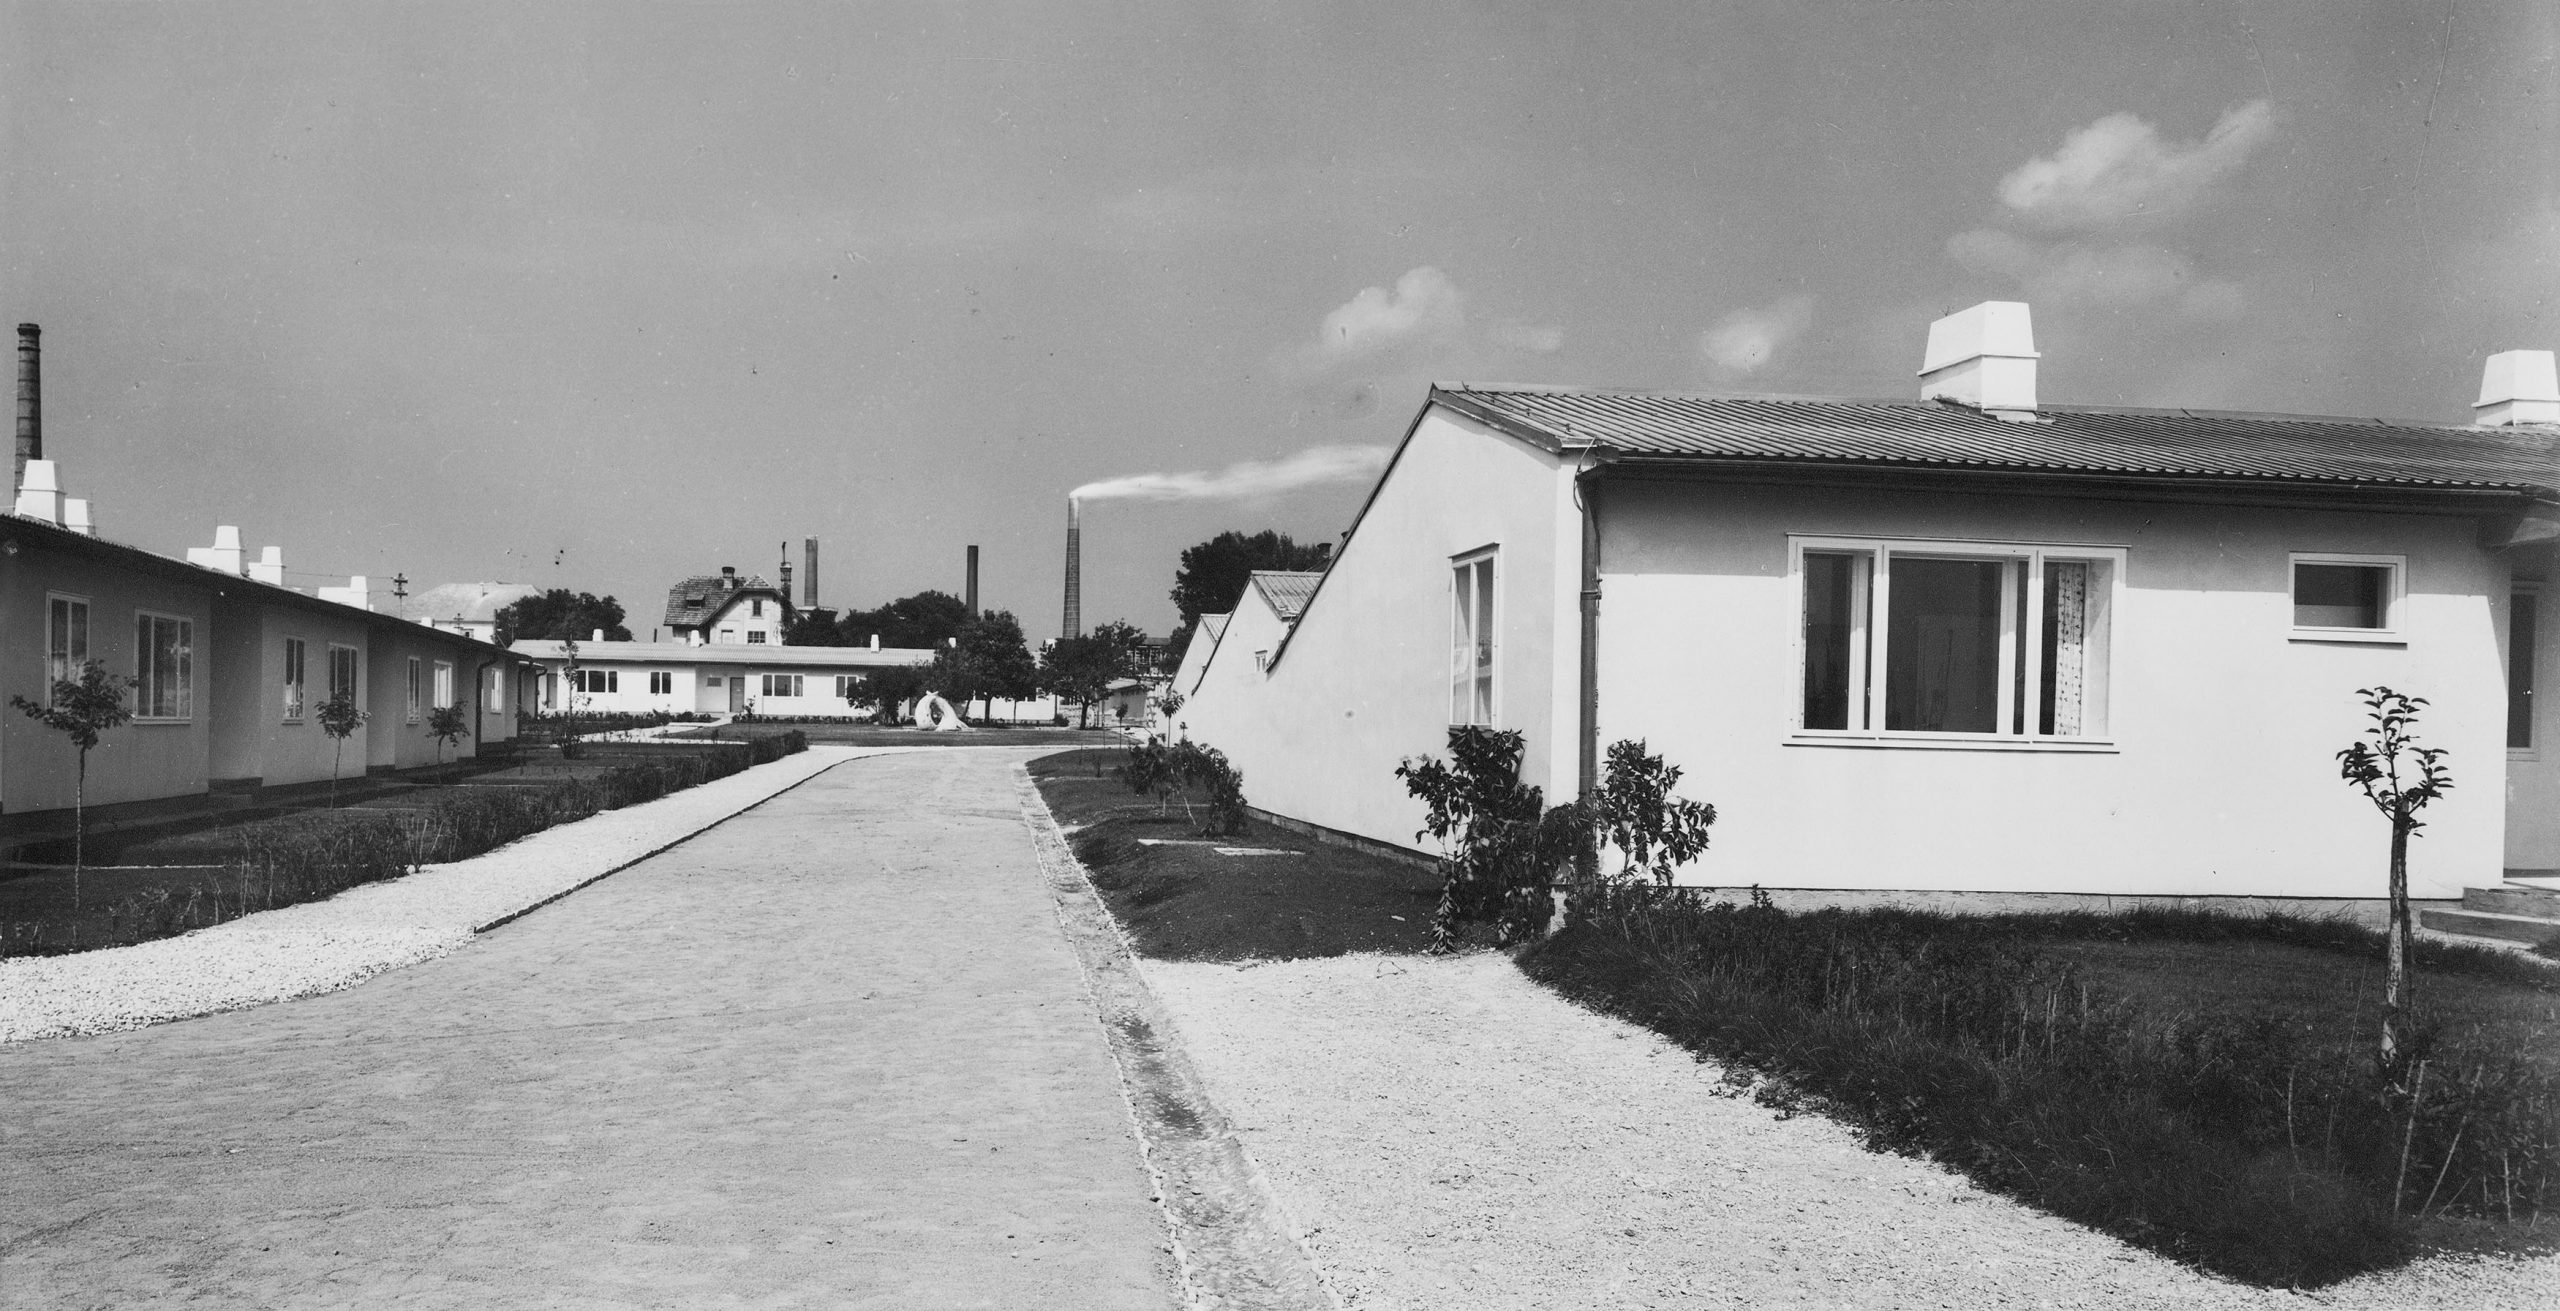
column 229, row 669
column 1972, row 641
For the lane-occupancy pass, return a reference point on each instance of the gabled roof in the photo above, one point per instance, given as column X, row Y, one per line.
column 1664, row 427
column 1214, row 625
column 694, row 601
column 1285, row 591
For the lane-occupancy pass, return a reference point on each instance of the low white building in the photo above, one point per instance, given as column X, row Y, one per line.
column 1972, row 641
column 711, row 678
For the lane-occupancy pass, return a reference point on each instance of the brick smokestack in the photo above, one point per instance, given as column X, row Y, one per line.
column 809, row 576
column 972, row 593
column 1072, row 625
column 786, row 573
column 30, row 406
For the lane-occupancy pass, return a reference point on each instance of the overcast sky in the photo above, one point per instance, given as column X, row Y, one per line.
column 601, row 295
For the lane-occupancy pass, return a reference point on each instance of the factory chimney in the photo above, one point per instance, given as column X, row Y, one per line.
column 1072, row 625
column 972, row 593
column 30, row 407
column 809, row 576
column 786, row 573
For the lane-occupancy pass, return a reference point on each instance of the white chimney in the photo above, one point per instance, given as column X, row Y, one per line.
column 598, row 637
column 223, row 556
column 1984, row 357
column 40, row 493
column 75, row 516
column 358, row 593
column 875, row 641
column 269, row 566
column 2515, row 387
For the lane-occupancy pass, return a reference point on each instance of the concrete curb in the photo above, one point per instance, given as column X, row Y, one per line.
column 1233, row 1242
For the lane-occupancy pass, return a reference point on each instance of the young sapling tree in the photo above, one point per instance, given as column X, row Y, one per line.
column 339, row 718
column 448, row 725
column 2400, row 778
column 82, row 709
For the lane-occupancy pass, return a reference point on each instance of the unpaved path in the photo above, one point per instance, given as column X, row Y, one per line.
column 1446, row 1134
column 834, row 1052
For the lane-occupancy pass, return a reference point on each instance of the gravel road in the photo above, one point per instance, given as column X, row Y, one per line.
column 1447, row 1134
column 322, row 946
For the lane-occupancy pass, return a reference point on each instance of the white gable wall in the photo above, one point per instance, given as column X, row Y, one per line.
column 1365, row 681
column 2222, row 779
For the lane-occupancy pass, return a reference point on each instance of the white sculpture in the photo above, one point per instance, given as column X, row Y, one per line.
column 930, row 711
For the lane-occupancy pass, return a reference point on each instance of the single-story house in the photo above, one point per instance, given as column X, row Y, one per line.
column 1972, row 641
column 229, row 669
column 709, row 678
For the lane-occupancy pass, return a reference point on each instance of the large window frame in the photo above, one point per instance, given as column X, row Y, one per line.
column 2025, row 642
column 440, row 690
column 2394, row 598
column 1475, row 638
column 67, row 648
column 163, row 667
column 783, row 685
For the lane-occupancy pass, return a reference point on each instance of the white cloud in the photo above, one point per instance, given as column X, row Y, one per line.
column 1746, row 340
column 1423, row 306
column 2111, row 273
column 1311, row 467
column 2117, row 171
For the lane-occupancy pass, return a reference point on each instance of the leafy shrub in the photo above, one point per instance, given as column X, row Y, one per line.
column 2227, row 1139
column 1171, row 771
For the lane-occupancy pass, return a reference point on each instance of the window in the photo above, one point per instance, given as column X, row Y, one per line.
column 2523, row 620
column 443, row 688
column 782, row 684
column 755, row 607
column 596, row 680
column 661, row 682
column 2346, row 597
column 1471, row 640
column 755, row 635
column 164, row 658
column 342, row 672
column 715, row 681
column 728, row 635
column 847, row 685
column 1955, row 638
column 414, row 689
column 66, row 640
column 295, row 658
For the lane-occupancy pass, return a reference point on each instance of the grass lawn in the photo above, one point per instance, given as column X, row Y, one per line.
column 2200, row 1085
column 1179, row 899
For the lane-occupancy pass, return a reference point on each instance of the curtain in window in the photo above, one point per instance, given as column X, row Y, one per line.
column 2067, row 642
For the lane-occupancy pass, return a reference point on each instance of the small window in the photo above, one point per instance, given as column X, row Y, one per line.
column 164, row 667
column 845, row 686
column 296, row 659
column 755, row 635
column 66, row 642
column 755, row 607
column 661, row 682
column 2523, row 624
column 414, row 689
column 1471, row 641
column 715, row 681
column 2346, row 597
column 443, row 688
column 728, row 635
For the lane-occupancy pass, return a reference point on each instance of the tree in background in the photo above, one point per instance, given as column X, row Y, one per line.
column 561, row 615
column 2376, row 767
column 1082, row 669
column 1213, row 575
column 926, row 619
column 989, row 660
column 888, row 690
column 82, row 709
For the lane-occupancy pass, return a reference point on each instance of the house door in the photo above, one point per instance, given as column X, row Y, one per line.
column 737, row 693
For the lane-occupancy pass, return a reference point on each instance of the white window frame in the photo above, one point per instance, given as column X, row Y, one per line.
column 662, row 682
column 755, row 636
column 1484, row 633
column 144, row 673
column 416, row 689
column 79, row 640
column 2394, row 600
column 440, row 691
column 2017, row 687
column 297, row 678
column 845, row 686
column 355, row 673
column 791, row 685
column 596, row 682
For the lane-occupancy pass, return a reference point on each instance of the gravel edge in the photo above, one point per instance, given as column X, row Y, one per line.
column 325, row 946
column 1234, row 1243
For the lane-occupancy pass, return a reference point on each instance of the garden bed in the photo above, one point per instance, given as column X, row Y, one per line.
column 168, row 883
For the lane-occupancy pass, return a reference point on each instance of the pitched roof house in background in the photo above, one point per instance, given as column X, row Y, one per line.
column 725, row 608
column 1969, row 642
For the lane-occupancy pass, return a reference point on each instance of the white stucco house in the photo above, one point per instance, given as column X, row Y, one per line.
column 1972, row 641
column 725, row 609
column 708, row 678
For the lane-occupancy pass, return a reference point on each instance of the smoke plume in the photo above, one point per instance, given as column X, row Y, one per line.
column 1307, row 468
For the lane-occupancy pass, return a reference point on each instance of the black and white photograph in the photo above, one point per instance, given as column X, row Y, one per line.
column 1441, row 655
